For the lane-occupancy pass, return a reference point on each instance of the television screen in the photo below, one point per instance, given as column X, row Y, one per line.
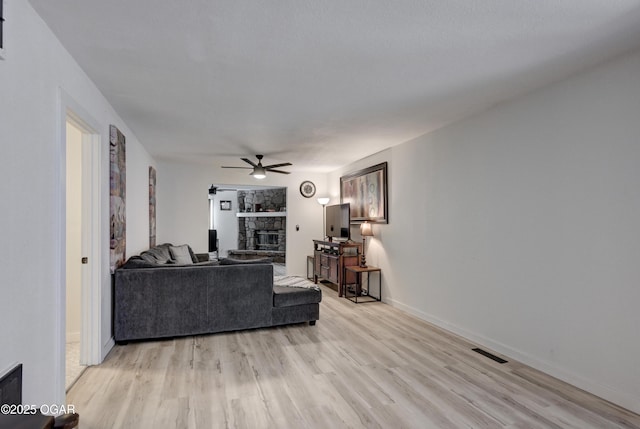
column 338, row 221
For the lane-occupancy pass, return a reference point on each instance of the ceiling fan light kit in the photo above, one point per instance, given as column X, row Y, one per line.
column 260, row 171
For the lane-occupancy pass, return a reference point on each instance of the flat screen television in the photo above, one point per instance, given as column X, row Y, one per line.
column 338, row 221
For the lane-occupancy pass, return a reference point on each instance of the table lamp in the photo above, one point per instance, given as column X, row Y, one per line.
column 365, row 231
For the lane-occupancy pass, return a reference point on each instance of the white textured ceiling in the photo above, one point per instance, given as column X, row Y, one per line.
column 321, row 83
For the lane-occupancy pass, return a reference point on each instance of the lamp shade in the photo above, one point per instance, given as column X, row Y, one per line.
column 323, row 201
column 366, row 230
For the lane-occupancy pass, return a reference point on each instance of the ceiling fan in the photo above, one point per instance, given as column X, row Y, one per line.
column 260, row 171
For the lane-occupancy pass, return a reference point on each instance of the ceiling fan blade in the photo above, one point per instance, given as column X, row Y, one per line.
column 244, row 168
column 278, row 171
column 248, row 161
column 284, row 164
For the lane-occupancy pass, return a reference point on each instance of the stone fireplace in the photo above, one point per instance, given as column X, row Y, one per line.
column 262, row 232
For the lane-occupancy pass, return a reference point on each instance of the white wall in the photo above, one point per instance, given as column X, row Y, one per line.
column 32, row 188
column 226, row 222
column 183, row 207
column 518, row 228
column 138, row 162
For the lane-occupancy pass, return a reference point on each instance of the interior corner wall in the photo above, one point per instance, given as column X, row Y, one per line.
column 183, row 207
column 33, row 74
column 518, row 229
column 137, row 197
column 226, row 221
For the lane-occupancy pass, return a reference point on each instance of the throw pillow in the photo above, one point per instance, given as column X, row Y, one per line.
column 181, row 255
column 194, row 258
column 157, row 255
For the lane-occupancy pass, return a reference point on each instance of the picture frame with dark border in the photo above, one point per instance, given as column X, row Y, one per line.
column 152, row 206
column 117, row 197
column 225, row 205
column 366, row 192
column 2, row 27
column 307, row 189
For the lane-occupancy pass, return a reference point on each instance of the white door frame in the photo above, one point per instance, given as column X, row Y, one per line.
column 91, row 289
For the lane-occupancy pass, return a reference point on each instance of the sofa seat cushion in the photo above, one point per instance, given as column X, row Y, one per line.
column 285, row 296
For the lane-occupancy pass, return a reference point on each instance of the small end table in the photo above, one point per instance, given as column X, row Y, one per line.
column 310, row 263
column 358, row 286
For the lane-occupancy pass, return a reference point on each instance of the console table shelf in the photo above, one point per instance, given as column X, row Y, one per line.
column 330, row 259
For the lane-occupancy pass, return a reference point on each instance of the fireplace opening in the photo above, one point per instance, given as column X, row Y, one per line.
column 267, row 240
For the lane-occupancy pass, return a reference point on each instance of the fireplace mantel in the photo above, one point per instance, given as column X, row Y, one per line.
column 262, row 214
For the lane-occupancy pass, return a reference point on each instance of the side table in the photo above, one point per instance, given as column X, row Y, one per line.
column 310, row 263
column 357, row 270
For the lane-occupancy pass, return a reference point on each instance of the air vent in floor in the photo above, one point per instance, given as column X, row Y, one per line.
column 489, row 355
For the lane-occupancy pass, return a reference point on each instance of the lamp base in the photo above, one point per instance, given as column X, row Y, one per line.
column 363, row 262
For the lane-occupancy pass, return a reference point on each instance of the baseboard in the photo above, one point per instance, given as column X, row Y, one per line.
column 106, row 348
column 604, row 392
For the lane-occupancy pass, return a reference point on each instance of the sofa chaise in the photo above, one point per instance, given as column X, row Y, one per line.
column 157, row 295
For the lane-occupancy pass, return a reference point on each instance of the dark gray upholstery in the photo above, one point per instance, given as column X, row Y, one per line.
column 138, row 262
column 284, row 296
column 232, row 261
column 154, row 302
column 158, row 254
column 295, row 314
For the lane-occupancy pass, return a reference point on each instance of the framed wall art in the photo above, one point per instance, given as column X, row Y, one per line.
column 152, row 206
column 366, row 192
column 225, row 205
column 2, row 50
column 117, row 198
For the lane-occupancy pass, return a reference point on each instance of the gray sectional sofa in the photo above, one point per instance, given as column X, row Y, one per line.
column 155, row 297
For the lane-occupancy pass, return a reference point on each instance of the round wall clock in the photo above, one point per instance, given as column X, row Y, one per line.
column 307, row 189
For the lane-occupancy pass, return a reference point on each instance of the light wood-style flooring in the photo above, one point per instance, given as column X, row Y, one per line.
column 362, row 366
column 73, row 369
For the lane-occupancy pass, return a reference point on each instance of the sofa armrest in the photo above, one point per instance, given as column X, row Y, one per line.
column 239, row 297
column 202, row 257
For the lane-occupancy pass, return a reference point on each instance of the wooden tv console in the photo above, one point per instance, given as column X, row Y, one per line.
column 330, row 258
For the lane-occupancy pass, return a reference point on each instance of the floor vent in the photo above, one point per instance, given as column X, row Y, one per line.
column 489, row 355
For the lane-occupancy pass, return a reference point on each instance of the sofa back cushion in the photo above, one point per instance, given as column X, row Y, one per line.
column 138, row 262
column 157, row 255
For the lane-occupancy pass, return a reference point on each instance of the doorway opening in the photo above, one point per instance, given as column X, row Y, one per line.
column 74, row 255
column 93, row 289
column 250, row 222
